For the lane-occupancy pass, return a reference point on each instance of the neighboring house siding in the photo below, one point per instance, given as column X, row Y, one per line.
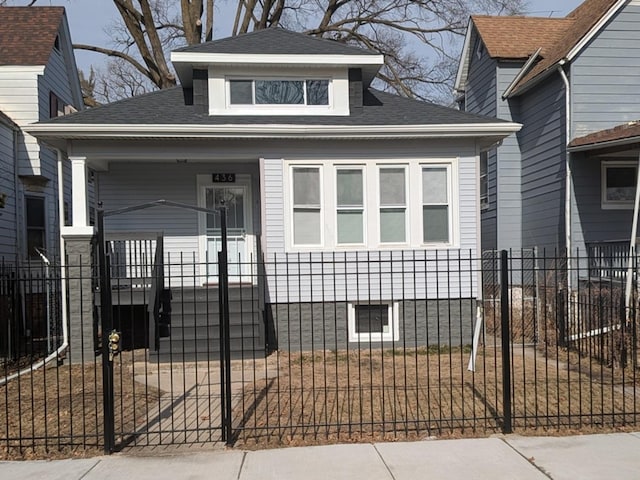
column 542, row 141
column 592, row 224
column 604, row 76
column 508, row 170
column 480, row 98
column 19, row 101
column 8, row 228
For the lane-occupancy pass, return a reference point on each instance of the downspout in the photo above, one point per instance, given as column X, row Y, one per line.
column 65, row 333
column 567, row 196
column 632, row 249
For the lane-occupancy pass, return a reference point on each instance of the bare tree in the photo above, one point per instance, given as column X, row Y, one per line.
column 420, row 39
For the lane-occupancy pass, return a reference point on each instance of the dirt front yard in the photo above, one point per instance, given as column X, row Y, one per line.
column 366, row 395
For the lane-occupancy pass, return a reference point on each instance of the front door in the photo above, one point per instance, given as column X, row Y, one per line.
column 239, row 242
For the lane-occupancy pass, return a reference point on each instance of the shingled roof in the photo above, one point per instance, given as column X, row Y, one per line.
column 276, row 41
column 167, row 107
column 517, row 38
column 27, row 34
column 627, row 132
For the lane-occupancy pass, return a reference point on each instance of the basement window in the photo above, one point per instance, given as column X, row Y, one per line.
column 373, row 322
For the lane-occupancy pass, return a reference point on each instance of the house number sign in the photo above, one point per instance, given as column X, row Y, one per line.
column 224, row 177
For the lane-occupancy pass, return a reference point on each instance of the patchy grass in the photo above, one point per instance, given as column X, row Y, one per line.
column 57, row 412
column 358, row 396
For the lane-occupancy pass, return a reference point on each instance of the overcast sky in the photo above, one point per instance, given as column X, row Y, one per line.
column 88, row 19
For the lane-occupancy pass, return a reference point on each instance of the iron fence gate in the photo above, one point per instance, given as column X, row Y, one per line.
column 146, row 402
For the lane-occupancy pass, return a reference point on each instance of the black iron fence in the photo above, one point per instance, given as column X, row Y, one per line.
column 321, row 348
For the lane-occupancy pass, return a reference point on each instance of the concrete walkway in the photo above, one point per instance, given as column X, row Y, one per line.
column 510, row 457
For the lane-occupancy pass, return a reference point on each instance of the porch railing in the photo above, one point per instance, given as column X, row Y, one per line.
column 609, row 259
column 132, row 258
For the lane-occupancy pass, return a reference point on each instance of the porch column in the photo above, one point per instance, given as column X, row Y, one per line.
column 77, row 241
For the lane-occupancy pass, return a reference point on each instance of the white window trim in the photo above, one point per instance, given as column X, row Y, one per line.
column 267, row 109
column 450, row 203
column 363, row 169
column 393, row 335
column 371, row 205
column 407, row 196
column 290, row 207
column 609, row 204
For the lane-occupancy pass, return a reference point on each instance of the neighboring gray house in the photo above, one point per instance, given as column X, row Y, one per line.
column 38, row 81
column 567, row 180
column 312, row 161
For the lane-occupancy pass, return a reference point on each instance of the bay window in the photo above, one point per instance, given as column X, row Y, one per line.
column 365, row 204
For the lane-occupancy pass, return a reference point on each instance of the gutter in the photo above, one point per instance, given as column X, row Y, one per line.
column 69, row 131
column 523, row 71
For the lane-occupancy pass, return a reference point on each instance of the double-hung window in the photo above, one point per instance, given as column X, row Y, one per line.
column 279, row 92
column 619, row 180
column 36, row 225
column 350, row 205
column 307, row 210
column 436, row 204
column 393, row 204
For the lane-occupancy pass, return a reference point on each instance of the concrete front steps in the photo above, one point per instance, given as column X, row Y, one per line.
column 194, row 333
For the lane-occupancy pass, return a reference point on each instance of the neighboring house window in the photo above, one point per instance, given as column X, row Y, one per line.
column 350, row 205
column 619, row 180
column 373, row 322
column 484, row 180
column 36, row 225
column 307, row 211
column 393, row 204
column 279, row 92
column 56, row 106
column 356, row 204
column 436, row 204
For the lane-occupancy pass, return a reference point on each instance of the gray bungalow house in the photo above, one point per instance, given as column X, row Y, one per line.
column 321, row 174
column 568, row 179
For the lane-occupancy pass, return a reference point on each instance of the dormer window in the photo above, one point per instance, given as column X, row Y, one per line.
column 279, row 92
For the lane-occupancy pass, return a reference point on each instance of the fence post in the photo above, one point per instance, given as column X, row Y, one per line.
column 225, row 354
column 107, row 325
column 506, row 343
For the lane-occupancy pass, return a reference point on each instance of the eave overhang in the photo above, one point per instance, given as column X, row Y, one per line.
column 58, row 135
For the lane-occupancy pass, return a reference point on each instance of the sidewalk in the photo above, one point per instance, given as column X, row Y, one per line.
column 510, row 457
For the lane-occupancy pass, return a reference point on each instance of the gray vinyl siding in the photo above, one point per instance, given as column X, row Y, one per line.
column 508, row 170
column 481, row 97
column 134, row 183
column 606, row 74
column 8, row 227
column 376, row 274
column 542, row 141
column 592, row 224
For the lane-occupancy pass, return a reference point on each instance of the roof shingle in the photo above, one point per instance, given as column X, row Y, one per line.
column 27, row 34
column 276, row 41
column 517, row 38
column 167, row 107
